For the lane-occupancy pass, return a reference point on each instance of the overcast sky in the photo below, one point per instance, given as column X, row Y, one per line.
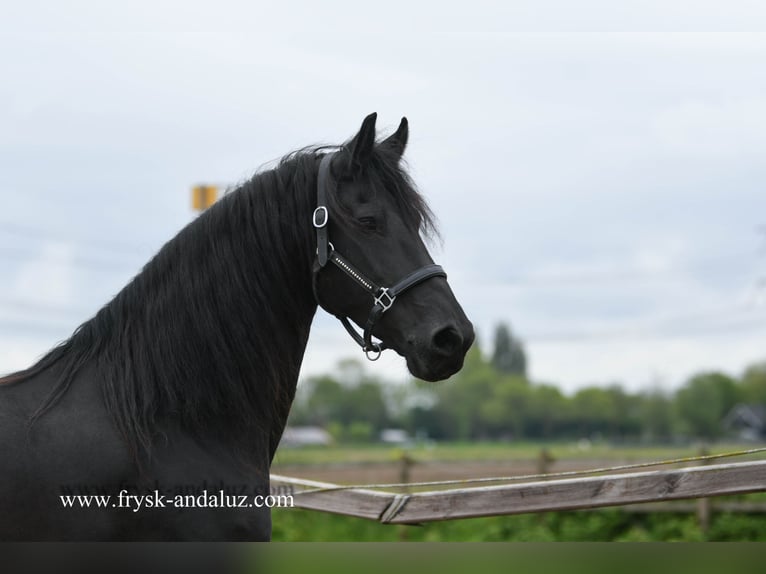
column 599, row 188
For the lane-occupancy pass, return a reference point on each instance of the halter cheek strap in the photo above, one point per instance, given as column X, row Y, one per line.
column 383, row 297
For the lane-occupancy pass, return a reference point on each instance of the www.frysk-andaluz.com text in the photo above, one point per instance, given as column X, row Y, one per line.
column 222, row 498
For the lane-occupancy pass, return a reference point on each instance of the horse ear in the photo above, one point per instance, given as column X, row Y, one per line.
column 363, row 143
column 397, row 141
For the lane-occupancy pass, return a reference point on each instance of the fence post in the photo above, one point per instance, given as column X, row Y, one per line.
column 544, row 460
column 704, row 509
column 405, row 462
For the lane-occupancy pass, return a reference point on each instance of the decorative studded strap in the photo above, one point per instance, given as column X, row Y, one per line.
column 353, row 272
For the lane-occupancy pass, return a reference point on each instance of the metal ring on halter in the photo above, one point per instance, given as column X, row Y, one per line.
column 330, row 246
column 375, row 349
column 320, row 211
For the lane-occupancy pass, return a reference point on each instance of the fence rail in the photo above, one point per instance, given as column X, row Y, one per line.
column 539, row 496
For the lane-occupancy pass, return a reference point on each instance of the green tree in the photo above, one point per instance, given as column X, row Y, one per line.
column 359, row 431
column 508, row 355
column 459, row 400
column 704, row 401
column 593, row 411
column 753, row 384
column 504, row 411
column 624, row 417
column 657, row 417
column 324, row 402
column 365, row 403
column 548, row 410
column 330, row 401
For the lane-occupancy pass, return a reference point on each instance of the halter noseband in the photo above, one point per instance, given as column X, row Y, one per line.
column 383, row 297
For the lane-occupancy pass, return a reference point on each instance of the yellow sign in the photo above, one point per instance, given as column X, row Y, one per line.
column 203, row 196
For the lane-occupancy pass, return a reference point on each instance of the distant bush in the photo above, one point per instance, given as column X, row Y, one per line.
column 593, row 526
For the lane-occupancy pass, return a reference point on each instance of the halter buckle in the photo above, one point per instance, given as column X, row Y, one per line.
column 387, row 302
column 321, row 210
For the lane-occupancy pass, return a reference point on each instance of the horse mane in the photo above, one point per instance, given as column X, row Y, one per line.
column 200, row 335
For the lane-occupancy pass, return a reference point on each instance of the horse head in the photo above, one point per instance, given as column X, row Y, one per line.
column 373, row 265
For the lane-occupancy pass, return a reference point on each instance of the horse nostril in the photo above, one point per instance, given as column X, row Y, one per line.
column 447, row 340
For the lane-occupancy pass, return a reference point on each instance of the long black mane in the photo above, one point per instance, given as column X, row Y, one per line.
column 211, row 333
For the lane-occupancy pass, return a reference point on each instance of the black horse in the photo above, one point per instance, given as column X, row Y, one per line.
column 181, row 385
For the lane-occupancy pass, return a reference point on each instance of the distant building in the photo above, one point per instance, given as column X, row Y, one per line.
column 395, row 436
column 747, row 422
column 305, row 436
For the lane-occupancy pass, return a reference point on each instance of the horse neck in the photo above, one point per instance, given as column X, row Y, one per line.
column 221, row 315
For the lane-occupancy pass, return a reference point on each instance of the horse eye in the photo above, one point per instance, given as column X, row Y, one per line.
column 368, row 222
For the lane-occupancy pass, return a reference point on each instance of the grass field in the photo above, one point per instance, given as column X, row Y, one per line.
column 488, row 451
column 609, row 525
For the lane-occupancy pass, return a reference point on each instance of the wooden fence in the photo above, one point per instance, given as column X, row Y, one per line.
column 539, row 496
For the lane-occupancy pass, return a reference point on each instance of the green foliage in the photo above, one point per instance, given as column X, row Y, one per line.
column 359, row 431
column 754, row 384
column 657, row 416
column 485, row 402
column 509, row 356
column 354, row 409
column 336, row 430
column 737, row 527
column 704, row 402
column 547, row 408
column 292, row 524
column 461, row 399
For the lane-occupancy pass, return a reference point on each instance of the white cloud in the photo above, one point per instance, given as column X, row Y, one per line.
column 714, row 131
column 640, row 364
column 18, row 353
column 609, row 163
column 47, row 278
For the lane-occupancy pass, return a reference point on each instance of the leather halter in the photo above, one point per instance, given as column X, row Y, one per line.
column 383, row 297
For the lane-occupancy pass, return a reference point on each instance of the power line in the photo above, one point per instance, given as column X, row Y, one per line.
column 43, row 307
column 24, row 231
column 681, row 270
column 26, row 254
column 30, row 255
column 638, row 335
column 668, row 327
column 710, row 323
column 17, row 327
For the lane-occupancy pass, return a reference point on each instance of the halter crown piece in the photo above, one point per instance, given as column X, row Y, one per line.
column 383, row 297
